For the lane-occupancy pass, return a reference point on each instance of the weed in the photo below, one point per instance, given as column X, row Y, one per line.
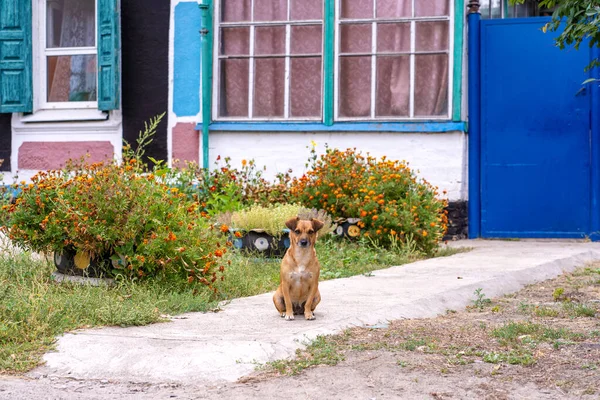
column 578, row 310
column 509, row 333
column 480, row 300
column 402, row 364
column 545, row 312
column 322, row 351
column 513, row 357
column 559, row 294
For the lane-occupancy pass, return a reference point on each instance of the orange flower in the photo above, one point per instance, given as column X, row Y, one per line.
column 424, row 233
column 244, row 162
column 238, row 234
column 375, row 217
column 363, row 213
column 219, row 253
column 224, row 228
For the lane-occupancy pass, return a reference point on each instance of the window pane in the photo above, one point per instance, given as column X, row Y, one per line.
column 235, row 10
column 394, row 8
column 355, row 38
column 431, row 85
column 72, row 78
column 269, row 77
column 269, row 40
column 393, row 86
column 393, row 37
column 431, row 36
column 270, row 10
column 431, row 8
column 233, row 93
column 306, row 9
column 357, row 9
column 355, row 87
column 305, row 87
column 235, row 41
column 306, row 39
column 70, row 23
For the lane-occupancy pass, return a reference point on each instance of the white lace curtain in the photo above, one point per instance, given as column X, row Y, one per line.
column 72, row 77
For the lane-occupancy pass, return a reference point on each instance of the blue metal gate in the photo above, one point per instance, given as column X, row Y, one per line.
column 535, row 135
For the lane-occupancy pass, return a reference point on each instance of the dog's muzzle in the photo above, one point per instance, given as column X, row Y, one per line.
column 303, row 242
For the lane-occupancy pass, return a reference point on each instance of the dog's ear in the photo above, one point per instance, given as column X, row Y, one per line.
column 316, row 224
column 292, row 223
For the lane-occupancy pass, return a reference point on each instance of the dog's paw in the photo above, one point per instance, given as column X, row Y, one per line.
column 282, row 315
column 309, row 316
column 289, row 317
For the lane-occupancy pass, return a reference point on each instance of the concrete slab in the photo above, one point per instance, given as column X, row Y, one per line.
column 215, row 347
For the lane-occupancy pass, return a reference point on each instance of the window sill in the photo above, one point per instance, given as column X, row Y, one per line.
column 65, row 116
column 405, row 127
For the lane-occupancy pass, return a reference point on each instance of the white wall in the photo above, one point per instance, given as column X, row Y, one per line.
column 439, row 157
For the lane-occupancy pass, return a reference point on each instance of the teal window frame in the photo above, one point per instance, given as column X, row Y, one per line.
column 328, row 123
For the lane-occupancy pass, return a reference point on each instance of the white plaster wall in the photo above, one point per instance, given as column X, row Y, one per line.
column 440, row 158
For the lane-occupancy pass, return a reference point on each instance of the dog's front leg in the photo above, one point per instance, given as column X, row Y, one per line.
column 289, row 308
column 308, row 307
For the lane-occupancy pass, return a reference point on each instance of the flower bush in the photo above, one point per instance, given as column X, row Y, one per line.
column 120, row 210
column 392, row 203
column 226, row 189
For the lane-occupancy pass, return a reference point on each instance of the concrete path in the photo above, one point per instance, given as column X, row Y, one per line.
column 223, row 346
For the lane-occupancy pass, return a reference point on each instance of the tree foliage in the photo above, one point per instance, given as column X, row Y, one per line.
column 581, row 21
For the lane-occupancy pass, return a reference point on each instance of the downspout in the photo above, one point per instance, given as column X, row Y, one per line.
column 474, row 105
column 206, row 31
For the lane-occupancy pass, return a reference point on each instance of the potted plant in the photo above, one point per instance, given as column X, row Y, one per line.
column 262, row 229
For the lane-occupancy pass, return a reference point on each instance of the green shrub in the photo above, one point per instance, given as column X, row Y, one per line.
column 121, row 210
column 393, row 204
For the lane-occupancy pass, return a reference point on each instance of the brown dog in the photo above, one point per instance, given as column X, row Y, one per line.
column 298, row 291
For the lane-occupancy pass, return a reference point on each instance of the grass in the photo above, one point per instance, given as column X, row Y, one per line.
column 34, row 309
column 322, row 351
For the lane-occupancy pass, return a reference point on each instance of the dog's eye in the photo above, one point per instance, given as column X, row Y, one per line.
column 297, row 231
column 310, row 231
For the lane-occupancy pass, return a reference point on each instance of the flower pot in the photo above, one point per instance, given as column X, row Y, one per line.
column 258, row 241
column 347, row 228
column 72, row 262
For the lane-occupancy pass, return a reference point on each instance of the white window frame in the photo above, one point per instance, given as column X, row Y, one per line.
column 373, row 54
column 251, row 57
column 40, row 72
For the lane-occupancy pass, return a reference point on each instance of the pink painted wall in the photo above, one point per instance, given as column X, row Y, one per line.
column 53, row 155
column 186, row 142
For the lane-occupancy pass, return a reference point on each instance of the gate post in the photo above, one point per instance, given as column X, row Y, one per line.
column 594, row 89
column 474, row 106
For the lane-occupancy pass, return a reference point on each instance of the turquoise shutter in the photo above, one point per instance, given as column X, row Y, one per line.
column 16, row 89
column 108, row 55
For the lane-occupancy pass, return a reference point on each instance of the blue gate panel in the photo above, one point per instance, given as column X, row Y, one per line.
column 535, row 127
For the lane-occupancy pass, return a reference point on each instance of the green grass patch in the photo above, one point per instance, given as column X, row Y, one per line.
column 509, row 334
column 578, row 310
column 515, row 357
column 324, row 350
column 34, row 309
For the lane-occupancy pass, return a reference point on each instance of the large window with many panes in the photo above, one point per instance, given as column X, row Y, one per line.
column 390, row 60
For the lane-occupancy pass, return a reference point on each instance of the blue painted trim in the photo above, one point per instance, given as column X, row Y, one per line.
column 474, row 93
column 186, row 56
column 594, row 88
column 407, row 127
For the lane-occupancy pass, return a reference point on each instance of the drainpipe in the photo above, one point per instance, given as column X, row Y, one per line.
column 206, row 33
column 474, row 105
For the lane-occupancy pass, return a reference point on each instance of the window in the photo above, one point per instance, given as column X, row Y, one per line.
column 68, row 61
column 68, row 50
column 391, row 60
column 270, row 59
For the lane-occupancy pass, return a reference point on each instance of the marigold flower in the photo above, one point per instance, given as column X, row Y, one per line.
column 224, row 228
column 244, row 162
column 238, row 234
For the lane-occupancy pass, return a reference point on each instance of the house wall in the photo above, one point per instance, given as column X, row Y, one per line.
column 439, row 157
column 29, row 143
column 5, row 142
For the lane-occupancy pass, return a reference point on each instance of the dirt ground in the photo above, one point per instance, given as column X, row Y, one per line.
column 540, row 343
